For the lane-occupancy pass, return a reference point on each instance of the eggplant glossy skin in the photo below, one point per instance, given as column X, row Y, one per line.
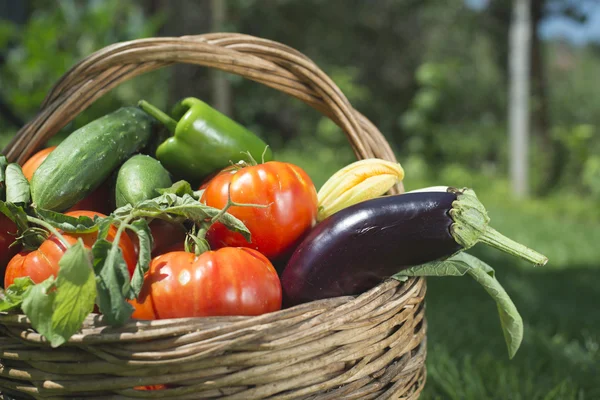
column 358, row 247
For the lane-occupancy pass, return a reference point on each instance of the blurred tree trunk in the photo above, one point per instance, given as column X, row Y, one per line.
column 186, row 17
column 194, row 17
column 498, row 17
column 221, row 89
column 540, row 123
column 518, row 111
column 539, row 92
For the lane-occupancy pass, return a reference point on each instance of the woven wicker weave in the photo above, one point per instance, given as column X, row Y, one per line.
column 368, row 347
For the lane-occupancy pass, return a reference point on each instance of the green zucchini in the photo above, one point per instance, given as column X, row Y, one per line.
column 138, row 179
column 87, row 157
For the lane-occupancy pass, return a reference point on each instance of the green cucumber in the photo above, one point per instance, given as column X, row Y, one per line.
column 138, row 179
column 87, row 157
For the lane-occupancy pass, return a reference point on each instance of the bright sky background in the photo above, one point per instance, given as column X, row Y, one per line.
column 564, row 28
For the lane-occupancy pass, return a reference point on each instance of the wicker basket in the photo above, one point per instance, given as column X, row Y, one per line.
column 368, row 347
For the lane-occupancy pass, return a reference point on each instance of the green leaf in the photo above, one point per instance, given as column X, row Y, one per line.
column 179, row 188
column 123, row 212
column 38, row 304
column 12, row 297
column 66, row 223
column 76, row 293
column 103, row 227
column 112, row 282
column 169, row 206
column 3, row 164
column 17, row 186
column 140, row 227
column 463, row 263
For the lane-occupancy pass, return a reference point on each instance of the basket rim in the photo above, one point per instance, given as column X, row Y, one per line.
column 97, row 331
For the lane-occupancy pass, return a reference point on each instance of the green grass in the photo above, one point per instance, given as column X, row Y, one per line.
column 560, row 355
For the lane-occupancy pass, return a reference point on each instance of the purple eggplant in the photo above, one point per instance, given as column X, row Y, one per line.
column 356, row 248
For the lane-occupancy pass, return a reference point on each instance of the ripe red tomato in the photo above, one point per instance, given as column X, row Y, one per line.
column 8, row 233
column 98, row 200
column 41, row 263
column 32, row 164
column 286, row 189
column 229, row 281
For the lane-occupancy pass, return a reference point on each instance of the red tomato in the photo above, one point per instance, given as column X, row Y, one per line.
column 98, row 200
column 40, row 264
column 286, row 189
column 8, row 234
column 32, row 164
column 229, row 281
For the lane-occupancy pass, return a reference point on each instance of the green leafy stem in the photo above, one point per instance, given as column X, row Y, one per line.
column 463, row 263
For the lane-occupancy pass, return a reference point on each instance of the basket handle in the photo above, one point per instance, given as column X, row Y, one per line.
column 270, row 63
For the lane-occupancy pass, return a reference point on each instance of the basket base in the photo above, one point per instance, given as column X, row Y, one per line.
column 369, row 347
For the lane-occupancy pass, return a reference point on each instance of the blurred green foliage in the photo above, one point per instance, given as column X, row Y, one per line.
column 59, row 34
column 429, row 74
column 448, row 125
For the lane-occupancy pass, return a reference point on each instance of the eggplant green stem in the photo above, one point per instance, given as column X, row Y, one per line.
column 493, row 238
column 471, row 225
column 161, row 116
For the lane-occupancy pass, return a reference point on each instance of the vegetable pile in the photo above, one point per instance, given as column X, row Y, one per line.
column 209, row 224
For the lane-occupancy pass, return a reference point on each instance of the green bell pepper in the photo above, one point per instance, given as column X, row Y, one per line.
column 204, row 140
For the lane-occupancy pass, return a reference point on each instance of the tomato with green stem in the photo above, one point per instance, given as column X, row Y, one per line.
column 42, row 263
column 228, row 281
column 287, row 192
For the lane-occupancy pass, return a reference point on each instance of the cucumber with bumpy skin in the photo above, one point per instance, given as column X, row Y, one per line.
column 87, row 157
column 138, row 179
